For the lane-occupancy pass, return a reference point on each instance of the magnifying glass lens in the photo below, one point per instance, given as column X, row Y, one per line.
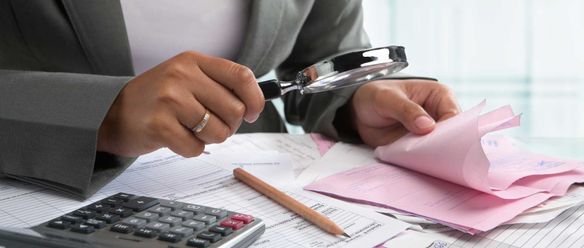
column 348, row 69
column 353, row 77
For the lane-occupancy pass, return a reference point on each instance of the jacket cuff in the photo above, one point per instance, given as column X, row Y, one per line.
column 49, row 137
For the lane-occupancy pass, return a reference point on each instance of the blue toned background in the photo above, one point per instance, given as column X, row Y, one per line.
column 527, row 53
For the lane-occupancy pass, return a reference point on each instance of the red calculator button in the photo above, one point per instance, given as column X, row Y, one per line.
column 243, row 218
column 235, row 225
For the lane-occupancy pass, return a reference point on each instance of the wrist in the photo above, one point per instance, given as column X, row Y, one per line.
column 345, row 123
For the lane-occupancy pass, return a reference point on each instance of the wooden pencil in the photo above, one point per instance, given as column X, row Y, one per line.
column 288, row 202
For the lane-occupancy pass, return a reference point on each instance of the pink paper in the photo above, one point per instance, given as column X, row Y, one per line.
column 402, row 189
column 453, row 152
column 453, row 177
column 322, row 142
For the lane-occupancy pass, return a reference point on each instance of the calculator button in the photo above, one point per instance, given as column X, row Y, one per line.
column 224, row 231
column 147, row 216
column 194, row 208
column 59, row 224
column 71, row 219
column 82, row 228
column 173, row 221
column 197, row 225
column 212, row 237
column 208, row 219
column 112, row 202
column 121, row 228
column 170, row 237
column 157, row 226
column 216, row 212
column 198, row 243
column 171, row 204
column 107, row 217
column 182, row 231
column 97, row 224
column 146, row 233
column 121, row 211
column 85, row 214
column 182, row 214
column 236, row 225
column 99, row 207
column 123, row 196
column 140, row 203
column 134, row 222
column 243, row 218
column 160, row 210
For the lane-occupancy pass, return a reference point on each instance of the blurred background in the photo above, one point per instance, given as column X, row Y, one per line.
column 526, row 53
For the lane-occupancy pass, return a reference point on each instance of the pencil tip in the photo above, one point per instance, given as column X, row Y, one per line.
column 346, row 235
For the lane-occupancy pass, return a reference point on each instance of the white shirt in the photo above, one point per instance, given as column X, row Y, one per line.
column 158, row 30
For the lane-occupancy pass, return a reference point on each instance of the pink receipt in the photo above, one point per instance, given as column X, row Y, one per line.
column 453, row 177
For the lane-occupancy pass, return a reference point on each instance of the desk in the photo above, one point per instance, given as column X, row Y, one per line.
column 550, row 129
column 208, row 180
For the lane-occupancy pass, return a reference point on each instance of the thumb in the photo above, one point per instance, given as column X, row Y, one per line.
column 412, row 116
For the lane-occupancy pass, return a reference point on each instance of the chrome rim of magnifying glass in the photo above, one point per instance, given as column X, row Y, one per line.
column 352, row 68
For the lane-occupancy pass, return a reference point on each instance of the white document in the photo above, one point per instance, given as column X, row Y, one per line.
column 199, row 180
column 552, row 208
column 340, row 157
column 415, row 238
column 301, row 147
column 566, row 230
column 273, row 167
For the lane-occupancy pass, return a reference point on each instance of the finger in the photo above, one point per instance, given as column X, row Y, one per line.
column 447, row 115
column 180, row 140
column 393, row 103
column 221, row 102
column 238, row 78
column 445, row 105
column 215, row 131
column 192, row 112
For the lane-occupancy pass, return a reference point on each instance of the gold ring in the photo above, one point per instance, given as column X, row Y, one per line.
column 199, row 127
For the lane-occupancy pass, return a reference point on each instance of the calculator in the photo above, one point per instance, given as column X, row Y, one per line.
column 126, row 220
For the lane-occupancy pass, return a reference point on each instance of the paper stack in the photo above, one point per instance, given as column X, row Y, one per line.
column 454, row 177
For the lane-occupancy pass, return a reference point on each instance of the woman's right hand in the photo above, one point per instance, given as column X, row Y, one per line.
column 160, row 107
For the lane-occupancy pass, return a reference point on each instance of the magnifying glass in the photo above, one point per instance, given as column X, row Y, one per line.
column 348, row 69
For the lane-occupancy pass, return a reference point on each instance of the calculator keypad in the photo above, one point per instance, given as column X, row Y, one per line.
column 82, row 228
column 141, row 203
column 59, row 224
column 154, row 219
column 97, row 224
column 148, row 216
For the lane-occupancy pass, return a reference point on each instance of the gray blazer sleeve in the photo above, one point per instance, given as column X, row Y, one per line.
column 332, row 27
column 48, row 129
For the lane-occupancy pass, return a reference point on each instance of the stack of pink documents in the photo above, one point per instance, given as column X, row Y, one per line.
column 452, row 177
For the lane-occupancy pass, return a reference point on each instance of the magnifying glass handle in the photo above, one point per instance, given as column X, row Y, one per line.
column 271, row 89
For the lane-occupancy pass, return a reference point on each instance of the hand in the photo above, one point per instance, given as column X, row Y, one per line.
column 159, row 107
column 385, row 110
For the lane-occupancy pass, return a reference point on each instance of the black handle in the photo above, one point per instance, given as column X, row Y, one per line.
column 271, row 89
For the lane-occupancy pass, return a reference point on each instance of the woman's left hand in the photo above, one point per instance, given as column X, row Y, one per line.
column 383, row 111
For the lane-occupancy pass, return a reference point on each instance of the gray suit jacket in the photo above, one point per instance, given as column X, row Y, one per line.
column 63, row 62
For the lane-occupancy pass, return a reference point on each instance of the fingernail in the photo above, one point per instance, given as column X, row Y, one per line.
column 424, row 122
column 252, row 119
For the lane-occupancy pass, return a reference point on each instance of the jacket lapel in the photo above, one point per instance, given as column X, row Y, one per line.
column 100, row 28
column 266, row 18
